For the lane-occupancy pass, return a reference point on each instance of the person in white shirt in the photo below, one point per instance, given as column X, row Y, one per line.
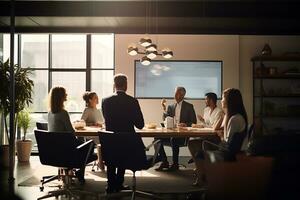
column 213, row 115
column 235, row 122
column 212, row 118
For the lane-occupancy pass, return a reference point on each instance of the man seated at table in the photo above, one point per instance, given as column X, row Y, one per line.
column 184, row 115
column 212, row 118
column 212, row 115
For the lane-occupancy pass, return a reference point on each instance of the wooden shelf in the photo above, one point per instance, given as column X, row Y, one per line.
column 274, row 116
column 277, row 96
column 287, row 58
column 278, row 77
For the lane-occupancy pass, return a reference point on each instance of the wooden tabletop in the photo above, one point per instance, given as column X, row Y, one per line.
column 157, row 132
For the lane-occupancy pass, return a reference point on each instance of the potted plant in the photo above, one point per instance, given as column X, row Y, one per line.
column 23, row 95
column 24, row 145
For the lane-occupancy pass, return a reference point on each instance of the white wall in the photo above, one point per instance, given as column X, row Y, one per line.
column 185, row 47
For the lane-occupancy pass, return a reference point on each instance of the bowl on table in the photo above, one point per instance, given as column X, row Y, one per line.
column 151, row 126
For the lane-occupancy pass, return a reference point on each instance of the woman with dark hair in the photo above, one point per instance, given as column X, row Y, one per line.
column 235, row 122
column 91, row 115
column 59, row 121
column 58, row 117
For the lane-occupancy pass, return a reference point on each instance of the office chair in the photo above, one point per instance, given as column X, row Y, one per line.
column 233, row 147
column 184, row 144
column 42, row 126
column 49, row 178
column 61, row 150
column 126, row 150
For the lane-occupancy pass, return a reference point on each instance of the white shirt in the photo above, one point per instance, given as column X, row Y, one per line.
column 212, row 117
column 235, row 124
column 177, row 112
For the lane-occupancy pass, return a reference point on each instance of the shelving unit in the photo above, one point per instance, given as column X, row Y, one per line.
column 276, row 94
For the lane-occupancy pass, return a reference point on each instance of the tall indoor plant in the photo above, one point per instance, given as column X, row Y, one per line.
column 23, row 145
column 23, row 91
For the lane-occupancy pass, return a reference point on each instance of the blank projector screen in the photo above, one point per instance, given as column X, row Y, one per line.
column 160, row 78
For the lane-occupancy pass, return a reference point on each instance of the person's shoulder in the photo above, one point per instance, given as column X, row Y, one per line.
column 108, row 97
column 86, row 109
column 237, row 118
column 219, row 110
column 187, row 103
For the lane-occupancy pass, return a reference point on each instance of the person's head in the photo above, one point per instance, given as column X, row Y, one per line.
column 91, row 99
column 120, row 82
column 210, row 99
column 232, row 103
column 179, row 94
column 57, row 97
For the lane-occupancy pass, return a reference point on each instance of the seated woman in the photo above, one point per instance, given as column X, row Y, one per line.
column 235, row 122
column 59, row 120
column 93, row 117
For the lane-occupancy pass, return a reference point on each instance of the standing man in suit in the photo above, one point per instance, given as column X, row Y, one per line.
column 121, row 113
column 184, row 115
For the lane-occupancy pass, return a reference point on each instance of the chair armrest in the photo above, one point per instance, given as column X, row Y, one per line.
column 213, row 144
column 147, row 148
column 84, row 144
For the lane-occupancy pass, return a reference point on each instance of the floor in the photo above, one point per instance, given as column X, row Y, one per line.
column 169, row 185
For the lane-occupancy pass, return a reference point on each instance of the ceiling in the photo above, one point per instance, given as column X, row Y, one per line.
column 164, row 17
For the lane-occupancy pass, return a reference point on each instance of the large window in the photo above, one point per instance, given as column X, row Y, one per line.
column 160, row 78
column 78, row 62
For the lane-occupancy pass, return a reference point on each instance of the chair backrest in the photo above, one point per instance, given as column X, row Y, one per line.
column 124, row 150
column 245, row 179
column 234, row 144
column 250, row 131
column 42, row 125
column 58, row 149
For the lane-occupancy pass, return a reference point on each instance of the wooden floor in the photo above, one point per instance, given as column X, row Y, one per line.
column 170, row 185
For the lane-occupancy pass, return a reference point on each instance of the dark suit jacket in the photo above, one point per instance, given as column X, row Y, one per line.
column 121, row 113
column 187, row 113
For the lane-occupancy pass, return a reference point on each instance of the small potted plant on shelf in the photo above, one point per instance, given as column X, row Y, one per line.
column 24, row 145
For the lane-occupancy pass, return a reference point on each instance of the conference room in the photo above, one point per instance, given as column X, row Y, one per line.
column 202, row 46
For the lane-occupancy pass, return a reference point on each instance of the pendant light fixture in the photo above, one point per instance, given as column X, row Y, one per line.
column 149, row 49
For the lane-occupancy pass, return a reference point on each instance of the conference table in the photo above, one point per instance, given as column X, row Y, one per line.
column 156, row 132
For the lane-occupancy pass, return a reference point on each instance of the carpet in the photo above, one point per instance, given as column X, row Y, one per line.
column 149, row 181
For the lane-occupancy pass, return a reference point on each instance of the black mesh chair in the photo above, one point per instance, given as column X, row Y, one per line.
column 126, row 150
column 62, row 150
column 42, row 126
column 48, row 178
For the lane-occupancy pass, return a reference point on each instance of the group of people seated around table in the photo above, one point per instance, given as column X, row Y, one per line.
column 122, row 113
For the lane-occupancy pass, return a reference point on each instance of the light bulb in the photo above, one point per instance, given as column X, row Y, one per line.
column 145, row 60
column 132, row 50
column 151, row 54
column 167, row 53
column 145, row 42
column 151, row 47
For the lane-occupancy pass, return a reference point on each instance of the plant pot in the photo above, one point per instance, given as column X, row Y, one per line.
column 4, row 160
column 24, row 150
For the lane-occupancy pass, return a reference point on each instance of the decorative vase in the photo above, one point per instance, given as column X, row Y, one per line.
column 24, row 150
column 266, row 51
